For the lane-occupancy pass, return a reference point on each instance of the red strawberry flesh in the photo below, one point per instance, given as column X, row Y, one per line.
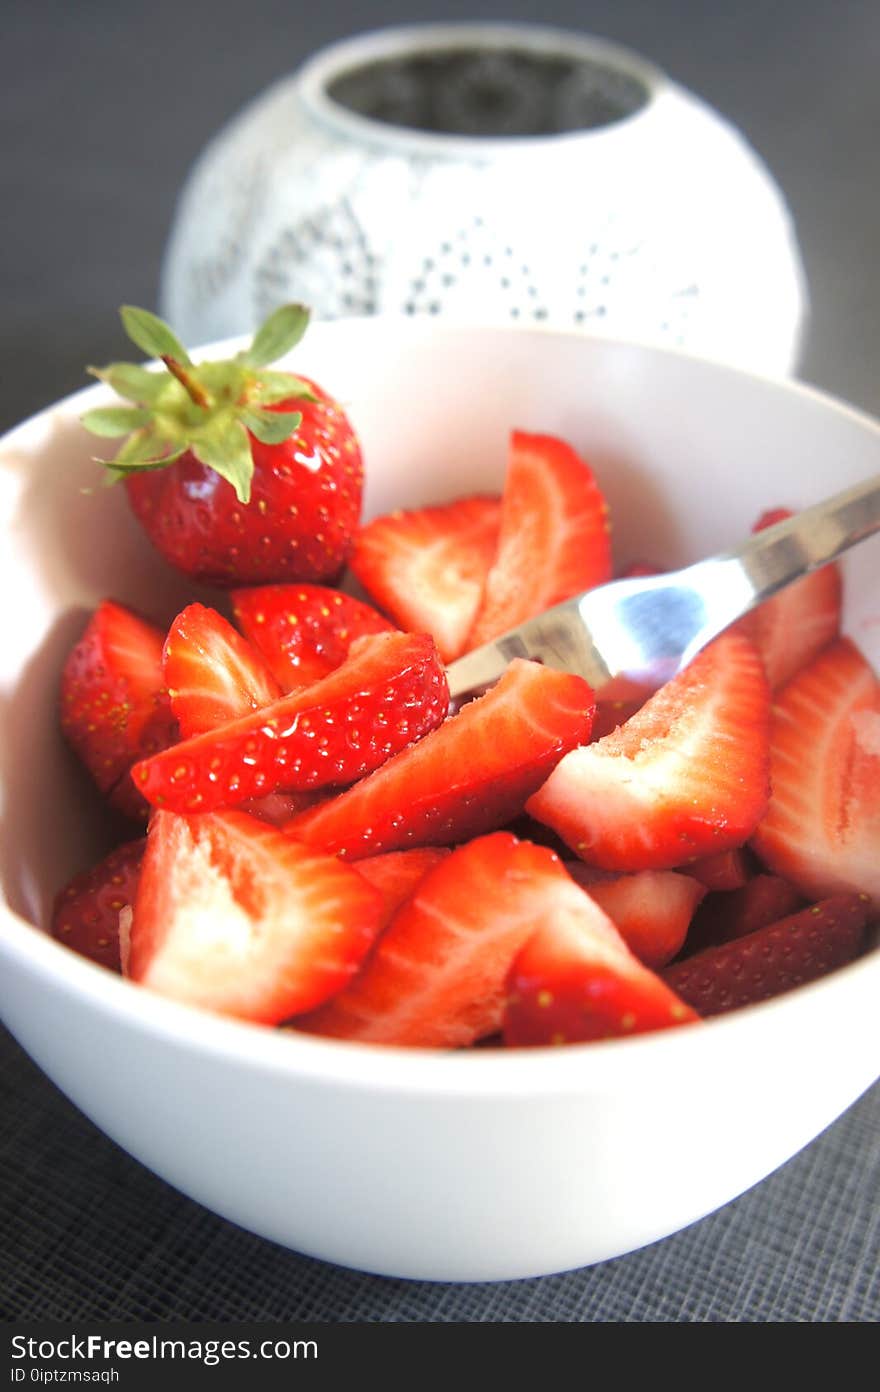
column 435, row 978
column 651, row 909
column 233, row 916
column 821, row 829
column 213, row 675
column 86, row 911
column 724, row 916
column 725, row 871
column 795, row 950
column 576, row 981
column 304, row 631
column 685, row 777
column 390, row 691
column 554, row 539
column 114, row 706
column 469, row 776
column 396, row 874
column 427, row 567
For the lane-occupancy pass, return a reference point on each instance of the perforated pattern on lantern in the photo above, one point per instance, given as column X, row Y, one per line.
column 476, row 250
column 323, row 259
column 327, row 259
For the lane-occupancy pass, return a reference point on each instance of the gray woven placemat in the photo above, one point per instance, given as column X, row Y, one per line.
column 86, row 1233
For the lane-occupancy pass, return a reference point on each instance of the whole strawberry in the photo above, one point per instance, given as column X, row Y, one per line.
column 239, row 473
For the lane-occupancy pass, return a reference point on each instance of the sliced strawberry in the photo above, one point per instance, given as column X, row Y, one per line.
column 396, row 874
column 303, row 632
column 822, row 827
column 726, row 870
column 213, row 675
column 427, row 567
column 722, row 917
column 652, row 909
column 114, row 706
column 86, row 912
column 436, row 976
column 687, row 776
column 390, row 691
column 575, row 981
column 803, row 947
column 554, row 539
column 233, row 916
column 471, row 775
column 790, row 629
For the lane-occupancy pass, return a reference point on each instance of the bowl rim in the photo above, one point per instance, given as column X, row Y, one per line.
column 475, row 1072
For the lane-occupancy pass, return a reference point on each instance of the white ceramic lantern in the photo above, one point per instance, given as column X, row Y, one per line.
column 491, row 174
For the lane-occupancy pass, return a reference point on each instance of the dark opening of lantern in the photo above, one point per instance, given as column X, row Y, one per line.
column 487, row 92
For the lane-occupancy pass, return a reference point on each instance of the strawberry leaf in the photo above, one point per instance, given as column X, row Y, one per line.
column 132, row 381
column 281, row 331
column 145, row 449
column 117, row 471
column 281, row 386
column 152, row 335
column 226, row 449
column 271, row 427
column 111, row 421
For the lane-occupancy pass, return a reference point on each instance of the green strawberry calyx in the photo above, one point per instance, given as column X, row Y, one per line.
column 210, row 408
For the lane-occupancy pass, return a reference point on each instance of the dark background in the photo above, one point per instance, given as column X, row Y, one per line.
column 104, row 104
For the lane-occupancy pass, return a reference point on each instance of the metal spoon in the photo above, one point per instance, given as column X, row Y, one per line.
column 647, row 629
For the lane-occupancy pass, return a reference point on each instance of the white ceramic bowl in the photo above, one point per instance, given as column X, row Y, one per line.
column 464, row 1166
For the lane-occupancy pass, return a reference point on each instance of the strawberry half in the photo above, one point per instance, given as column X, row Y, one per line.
column 233, row 916
column 212, row 674
column 790, row 629
column 435, row 978
column 114, row 706
column 687, row 776
column 390, row 691
column 303, row 632
column 554, row 539
column 86, row 912
column 576, row 981
column 785, row 954
column 822, row 827
column 427, row 567
column 238, row 473
column 470, row 776
column 652, row 909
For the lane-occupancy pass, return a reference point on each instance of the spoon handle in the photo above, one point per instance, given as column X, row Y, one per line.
column 811, row 538
column 732, row 583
